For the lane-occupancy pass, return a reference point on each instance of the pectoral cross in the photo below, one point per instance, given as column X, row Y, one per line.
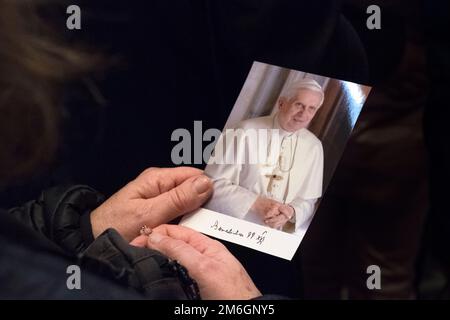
column 272, row 177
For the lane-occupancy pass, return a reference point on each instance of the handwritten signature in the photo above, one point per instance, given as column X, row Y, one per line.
column 259, row 238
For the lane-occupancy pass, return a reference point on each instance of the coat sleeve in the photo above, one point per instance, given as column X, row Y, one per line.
column 109, row 268
column 35, row 274
column 61, row 214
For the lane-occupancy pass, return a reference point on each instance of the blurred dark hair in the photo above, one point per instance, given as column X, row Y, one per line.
column 34, row 66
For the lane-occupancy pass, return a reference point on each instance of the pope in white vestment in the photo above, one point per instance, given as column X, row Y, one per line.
column 281, row 194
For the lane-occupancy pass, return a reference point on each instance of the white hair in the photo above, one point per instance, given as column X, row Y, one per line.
column 308, row 84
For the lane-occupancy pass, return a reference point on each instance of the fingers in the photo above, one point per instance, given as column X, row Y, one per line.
column 155, row 181
column 287, row 210
column 275, row 222
column 175, row 249
column 270, row 223
column 272, row 212
column 284, row 209
column 286, row 213
column 186, row 197
column 200, row 242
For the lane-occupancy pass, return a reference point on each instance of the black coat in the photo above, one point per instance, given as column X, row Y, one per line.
column 41, row 239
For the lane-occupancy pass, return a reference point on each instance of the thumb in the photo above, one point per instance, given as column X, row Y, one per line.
column 175, row 249
column 287, row 211
column 140, row 241
column 186, row 197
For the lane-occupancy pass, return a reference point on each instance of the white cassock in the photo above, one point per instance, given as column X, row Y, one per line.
column 298, row 173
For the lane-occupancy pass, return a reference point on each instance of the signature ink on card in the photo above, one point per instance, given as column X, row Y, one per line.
column 231, row 231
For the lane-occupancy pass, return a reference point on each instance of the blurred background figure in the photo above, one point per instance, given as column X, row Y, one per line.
column 378, row 202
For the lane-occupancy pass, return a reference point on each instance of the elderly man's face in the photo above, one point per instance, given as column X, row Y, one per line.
column 297, row 112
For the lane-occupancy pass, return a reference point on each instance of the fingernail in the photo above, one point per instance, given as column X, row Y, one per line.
column 155, row 238
column 202, row 184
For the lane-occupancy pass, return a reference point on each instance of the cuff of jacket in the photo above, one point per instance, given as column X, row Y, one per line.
column 145, row 270
column 62, row 215
column 86, row 228
column 71, row 227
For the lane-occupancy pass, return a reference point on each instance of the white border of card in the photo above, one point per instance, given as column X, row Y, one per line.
column 251, row 235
